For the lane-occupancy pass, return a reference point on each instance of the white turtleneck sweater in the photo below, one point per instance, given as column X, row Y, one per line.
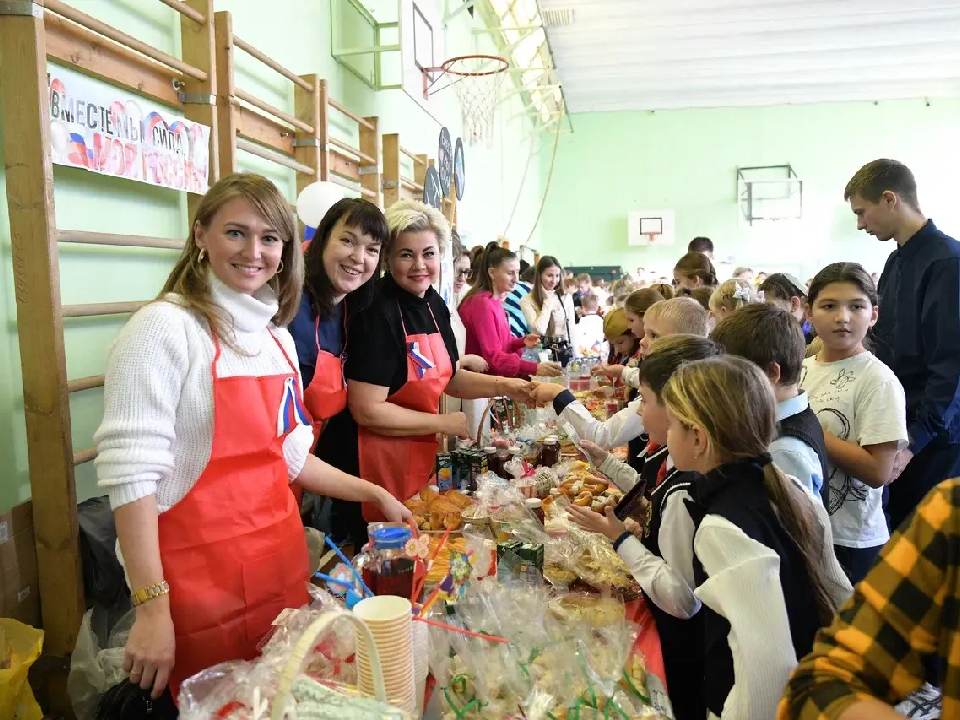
column 157, row 429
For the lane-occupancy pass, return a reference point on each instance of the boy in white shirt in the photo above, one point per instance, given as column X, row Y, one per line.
column 589, row 331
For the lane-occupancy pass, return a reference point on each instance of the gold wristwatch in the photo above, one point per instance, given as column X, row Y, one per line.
column 150, row 592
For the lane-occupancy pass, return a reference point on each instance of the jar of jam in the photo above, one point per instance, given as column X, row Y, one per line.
column 550, row 451
column 384, row 564
column 535, row 505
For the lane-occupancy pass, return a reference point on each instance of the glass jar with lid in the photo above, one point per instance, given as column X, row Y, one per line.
column 384, row 564
column 550, row 451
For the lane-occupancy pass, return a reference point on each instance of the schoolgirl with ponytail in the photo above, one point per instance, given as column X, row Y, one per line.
column 483, row 315
column 694, row 270
column 764, row 564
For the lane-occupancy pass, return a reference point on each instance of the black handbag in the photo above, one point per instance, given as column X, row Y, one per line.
column 127, row 701
column 561, row 348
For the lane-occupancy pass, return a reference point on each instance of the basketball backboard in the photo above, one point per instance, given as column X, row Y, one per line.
column 421, row 46
column 650, row 227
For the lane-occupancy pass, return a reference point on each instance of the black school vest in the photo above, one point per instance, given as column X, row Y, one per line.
column 680, row 640
column 805, row 427
column 735, row 492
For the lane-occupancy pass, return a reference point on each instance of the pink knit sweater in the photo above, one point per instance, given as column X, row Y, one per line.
column 488, row 336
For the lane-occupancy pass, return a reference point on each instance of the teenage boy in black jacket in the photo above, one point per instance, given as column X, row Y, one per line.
column 918, row 331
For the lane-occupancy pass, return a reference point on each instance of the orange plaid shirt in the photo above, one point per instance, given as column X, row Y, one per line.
column 908, row 606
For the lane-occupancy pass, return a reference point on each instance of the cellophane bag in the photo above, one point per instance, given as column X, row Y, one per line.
column 19, row 648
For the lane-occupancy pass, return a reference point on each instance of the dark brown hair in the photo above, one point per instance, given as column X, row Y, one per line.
column 360, row 215
column 878, row 176
column 700, row 244
column 493, row 256
column 779, row 287
column 702, row 295
column 844, row 272
column 546, row 262
column 669, row 353
column 764, row 334
column 697, row 265
column 733, row 402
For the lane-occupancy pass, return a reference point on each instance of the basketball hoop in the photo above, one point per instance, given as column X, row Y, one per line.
column 652, row 237
column 476, row 79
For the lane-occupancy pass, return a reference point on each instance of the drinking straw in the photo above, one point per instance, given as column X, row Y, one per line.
column 419, row 564
column 333, row 546
column 428, row 563
column 462, row 631
column 331, row 579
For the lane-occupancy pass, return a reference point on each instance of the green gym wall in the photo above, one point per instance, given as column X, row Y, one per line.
column 686, row 160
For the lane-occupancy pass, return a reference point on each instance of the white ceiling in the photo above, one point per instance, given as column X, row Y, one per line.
column 660, row 54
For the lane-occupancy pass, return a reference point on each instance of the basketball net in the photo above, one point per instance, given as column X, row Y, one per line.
column 477, row 82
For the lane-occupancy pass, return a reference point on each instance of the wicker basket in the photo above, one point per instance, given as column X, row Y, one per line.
column 513, row 409
column 306, row 644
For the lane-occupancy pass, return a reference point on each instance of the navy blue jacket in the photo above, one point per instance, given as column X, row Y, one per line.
column 918, row 332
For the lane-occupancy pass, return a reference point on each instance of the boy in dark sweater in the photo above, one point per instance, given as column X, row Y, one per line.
column 770, row 337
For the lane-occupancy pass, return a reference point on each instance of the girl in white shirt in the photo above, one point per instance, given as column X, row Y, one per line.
column 547, row 308
column 862, row 408
column 764, row 569
column 203, row 431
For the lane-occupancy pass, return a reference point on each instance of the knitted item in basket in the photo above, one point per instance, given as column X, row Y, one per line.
column 314, row 701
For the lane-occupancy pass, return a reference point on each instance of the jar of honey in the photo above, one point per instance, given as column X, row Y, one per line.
column 384, row 564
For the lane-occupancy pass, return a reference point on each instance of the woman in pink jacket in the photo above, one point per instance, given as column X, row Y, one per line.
column 482, row 313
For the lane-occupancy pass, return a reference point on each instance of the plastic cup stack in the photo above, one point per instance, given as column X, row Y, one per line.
column 390, row 621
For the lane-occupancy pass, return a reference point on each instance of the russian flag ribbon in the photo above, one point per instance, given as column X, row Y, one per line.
column 292, row 412
column 420, row 362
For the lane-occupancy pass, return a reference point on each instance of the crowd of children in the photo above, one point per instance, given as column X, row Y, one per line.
column 762, row 436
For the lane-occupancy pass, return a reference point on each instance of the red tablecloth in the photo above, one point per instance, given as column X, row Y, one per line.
column 648, row 644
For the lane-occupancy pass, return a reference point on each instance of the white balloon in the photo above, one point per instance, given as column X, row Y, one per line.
column 314, row 201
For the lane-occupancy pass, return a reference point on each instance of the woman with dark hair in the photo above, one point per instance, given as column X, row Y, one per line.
column 342, row 264
column 488, row 334
column 548, row 310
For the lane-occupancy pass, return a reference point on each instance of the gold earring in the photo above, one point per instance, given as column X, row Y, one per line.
column 280, row 267
column 202, row 254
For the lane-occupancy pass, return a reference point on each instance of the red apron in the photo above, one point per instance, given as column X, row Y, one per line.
column 326, row 395
column 403, row 465
column 233, row 548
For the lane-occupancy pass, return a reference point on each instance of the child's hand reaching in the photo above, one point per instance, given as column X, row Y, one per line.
column 596, row 453
column 607, row 524
column 614, row 372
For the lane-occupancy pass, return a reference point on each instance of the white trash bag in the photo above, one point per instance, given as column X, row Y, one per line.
column 96, row 666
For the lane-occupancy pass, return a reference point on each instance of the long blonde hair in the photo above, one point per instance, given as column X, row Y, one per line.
column 731, row 399
column 188, row 279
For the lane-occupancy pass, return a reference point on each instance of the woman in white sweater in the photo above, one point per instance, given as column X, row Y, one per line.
column 548, row 310
column 203, row 431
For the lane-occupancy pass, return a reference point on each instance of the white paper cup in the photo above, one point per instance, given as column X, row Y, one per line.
column 383, row 609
